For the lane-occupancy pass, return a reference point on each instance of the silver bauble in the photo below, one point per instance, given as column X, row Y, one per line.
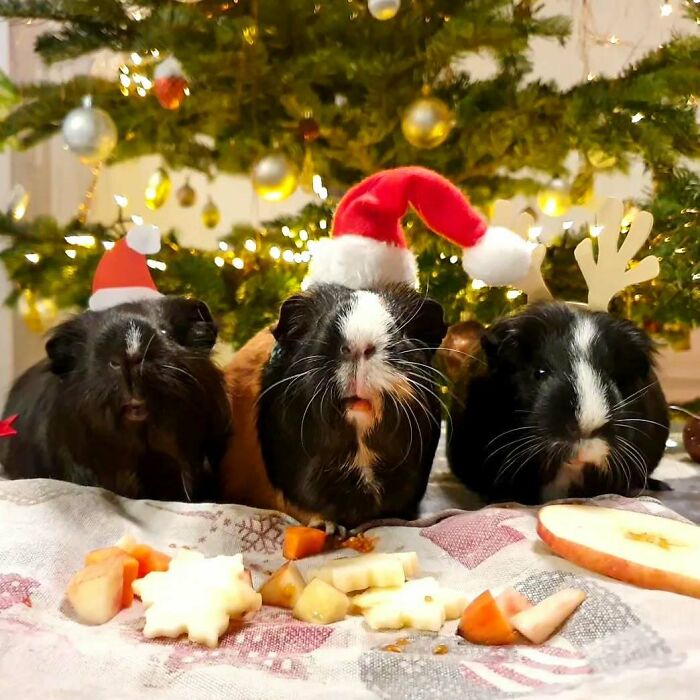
column 274, row 177
column 383, row 9
column 90, row 133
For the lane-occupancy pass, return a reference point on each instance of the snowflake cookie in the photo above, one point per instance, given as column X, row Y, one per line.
column 197, row 596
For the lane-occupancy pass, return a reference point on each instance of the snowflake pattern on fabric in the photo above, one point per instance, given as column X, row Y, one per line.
column 474, row 537
column 16, row 590
column 261, row 533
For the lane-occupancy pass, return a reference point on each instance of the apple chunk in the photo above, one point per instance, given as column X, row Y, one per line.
column 538, row 623
column 284, row 587
column 645, row 550
column 484, row 622
column 321, row 604
column 95, row 592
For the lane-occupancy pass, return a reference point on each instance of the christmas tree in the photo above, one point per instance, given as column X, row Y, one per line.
column 320, row 94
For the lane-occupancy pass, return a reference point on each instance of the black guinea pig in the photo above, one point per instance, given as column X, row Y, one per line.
column 128, row 399
column 349, row 412
column 565, row 404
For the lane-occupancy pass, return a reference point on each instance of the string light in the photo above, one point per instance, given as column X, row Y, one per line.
column 613, row 39
column 566, row 225
column 141, row 92
column 250, row 245
column 286, row 231
column 305, row 256
column 478, row 284
column 454, row 259
column 138, row 220
column 33, row 258
column 636, row 118
column 596, row 231
column 288, row 256
column 219, row 261
column 238, row 263
column 125, row 80
column 108, row 245
column 533, row 233
column 322, row 224
column 121, row 200
column 303, row 235
column 297, row 257
column 275, row 252
column 72, row 254
column 513, row 294
column 157, row 265
column 155, row 53
column 223, row 246
column 136, row 59
column 84, row 241
column 666, row 9
column 442, row 256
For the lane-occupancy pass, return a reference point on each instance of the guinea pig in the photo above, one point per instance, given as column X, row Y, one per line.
column 127, row 399
column 563, row 402
column 348, row 412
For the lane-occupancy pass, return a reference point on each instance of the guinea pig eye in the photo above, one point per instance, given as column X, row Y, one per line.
column 164, row 331
column 114, row 364
column 541, row 373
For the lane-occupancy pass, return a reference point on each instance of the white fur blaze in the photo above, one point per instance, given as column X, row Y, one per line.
column 592, row 406
column 367, row 322
column 133, row 339
column 359, row 262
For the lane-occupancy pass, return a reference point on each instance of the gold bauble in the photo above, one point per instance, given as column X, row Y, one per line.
column 601, row 160
column 554, row 200
column 427, row 122
column 211, row 214
column 37, row 313
column 158, row 189
column 383, row 9
column 274, row 177
column 186, row 195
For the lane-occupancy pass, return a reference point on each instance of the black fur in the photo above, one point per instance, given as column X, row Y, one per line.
column 525, row 388
column 151, row 425
column 305, row 437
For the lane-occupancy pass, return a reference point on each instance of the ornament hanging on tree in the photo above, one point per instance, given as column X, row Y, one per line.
column 89, row 132
column 158, row 189
column 211, row 214
column 308, row 170
column 170, row 83
column 691, row 432
column 308, row 129
column 19, row 201
column 555, row 199
column 427, row 122
column 274, row 177
column 383, row 9
column 601, row 160
column 186, row 194
column 37, row 313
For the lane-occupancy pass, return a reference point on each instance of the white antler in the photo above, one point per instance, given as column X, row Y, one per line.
column 533, row 284
column 609, row 275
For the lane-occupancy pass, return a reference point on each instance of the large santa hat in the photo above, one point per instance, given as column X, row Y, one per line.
column 123, row 275
column 368, row 248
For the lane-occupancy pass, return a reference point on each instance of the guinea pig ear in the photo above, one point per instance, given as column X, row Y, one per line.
column 294, row 319
column 192, row 323
column 500, row 341
column 64, row 344
column 427, row 324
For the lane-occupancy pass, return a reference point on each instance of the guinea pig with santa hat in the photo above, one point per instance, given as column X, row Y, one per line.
column 337, row 409
column 128, row 397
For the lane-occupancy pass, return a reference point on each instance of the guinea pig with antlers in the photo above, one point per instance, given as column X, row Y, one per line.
column 338, row 407
column 562, row 400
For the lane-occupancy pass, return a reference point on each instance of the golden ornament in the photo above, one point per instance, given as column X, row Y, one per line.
column 186, row 194
column 308, row 170
column 19, row 201
column 554, row 200
column 274, row 177
column 38, row 314
column 158, row 189
column 383, row 9
column 211, row 214
column 601, row 160
column 427, row 122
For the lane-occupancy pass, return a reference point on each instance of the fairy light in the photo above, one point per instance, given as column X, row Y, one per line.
column 72, row 254
column 219, row 261
column 613, row 39
column 138, row 220
column 141, row 92
column 275, row 252
column 453, row 259
column 666, row 9
column 596, row 231
column 121, row 200
column 81, row 240
column 33, row 258
column 533, row 233
column 513, row 294
column 303, row 235
column 591, row 76
column 250, row 245
column 238, row 263
column 187, row 91
column 286, row 231
column 124, row 69
column 566, row 225
column 146, row 83
column 108, row 245
column 305, row 256
column 636, row 118
column 288, row 256
column 136, row 59
column 442, row 256
column 125, row 80
column 223, row 246
column 157, row 265
column 297, row 257
column 322, row 224
column 155, row 53
column 478, row 284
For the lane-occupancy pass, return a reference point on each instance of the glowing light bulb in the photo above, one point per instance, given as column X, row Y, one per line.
column 303, row 235
column 219, row 261
column 238, row 263
column 322, row 224
column 108, row 245
column 136, row 59
column 533, row 233
column 33, row 258
column 286, row 231
column 478, row 284
column 596, row 231
column 72, row 254
column 223, row 246
column 614, row 39
column 666, row 9
column 250, row 245
column 453, row 259
column 125, row 80
column 275, row 252
column 636, row 118
column 121, row 200
column 513, row 294
column 288, row 256
column 84, row 240
column 566, row 225
column 157, row 265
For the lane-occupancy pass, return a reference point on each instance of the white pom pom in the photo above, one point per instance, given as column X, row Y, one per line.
column 144, row 239
column 168, row 68
column 500, row 257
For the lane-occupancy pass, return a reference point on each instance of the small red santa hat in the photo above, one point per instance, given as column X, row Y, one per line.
column 122, row 275
column 368, row 248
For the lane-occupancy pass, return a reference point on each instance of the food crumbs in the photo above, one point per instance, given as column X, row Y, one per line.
column 403, row 642
column 395, row 648
column 658, row 540
column 428, row 599
column 441, row 649
column 360, row 543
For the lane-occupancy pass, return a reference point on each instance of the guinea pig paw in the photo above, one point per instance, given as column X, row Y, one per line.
column 330, row 528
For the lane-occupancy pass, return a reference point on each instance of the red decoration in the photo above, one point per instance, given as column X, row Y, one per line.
column 691, row 438
column 308, row 129
column 6, row 429
column 170, row 83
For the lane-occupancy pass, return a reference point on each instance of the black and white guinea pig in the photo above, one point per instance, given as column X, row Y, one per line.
column 567, row 404
column 349, row 413
column 127, row 399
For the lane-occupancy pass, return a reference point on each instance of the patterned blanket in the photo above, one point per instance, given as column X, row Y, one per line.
column 623, row 642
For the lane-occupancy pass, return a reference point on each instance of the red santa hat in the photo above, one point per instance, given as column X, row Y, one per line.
column 368, row 247
column 123, row 275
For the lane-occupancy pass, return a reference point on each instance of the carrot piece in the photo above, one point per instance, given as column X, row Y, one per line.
column 149, row 559
column 300, row 542
column 483, row 622
column 511, row 602
column 130, row 568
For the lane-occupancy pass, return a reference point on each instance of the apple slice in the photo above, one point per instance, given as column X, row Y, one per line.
column 367, row 570
column 484, row 622
column 130, row 567
column 645, row 550
column 511, row 602
column 321, row 604
column 284, row 587
column 95, row 592
column 538, row 623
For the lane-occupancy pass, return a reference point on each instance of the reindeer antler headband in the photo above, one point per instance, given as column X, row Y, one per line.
column 605, row 276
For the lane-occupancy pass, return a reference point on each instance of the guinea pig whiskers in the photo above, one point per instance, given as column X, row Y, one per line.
column 442, row 349
column 508, row 432
column 282, row 381
column 626, row 400
column 522, row 454
column 145, row 352
column 637, row 456
column 513, row 442
column 414, row 382
column 319, row 387
column 641, row 420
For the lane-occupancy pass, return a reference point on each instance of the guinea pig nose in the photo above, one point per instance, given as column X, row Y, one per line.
column 369, row 350
column 345, row 350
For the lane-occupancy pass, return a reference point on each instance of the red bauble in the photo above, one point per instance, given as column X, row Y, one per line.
column 691, row 438
column 170, row 83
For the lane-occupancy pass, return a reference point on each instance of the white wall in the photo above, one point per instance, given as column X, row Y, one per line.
column 58, row 181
